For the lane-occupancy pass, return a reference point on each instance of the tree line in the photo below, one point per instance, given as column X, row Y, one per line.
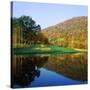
column 26, row 31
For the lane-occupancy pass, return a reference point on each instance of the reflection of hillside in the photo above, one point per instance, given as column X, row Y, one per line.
column 25, row 69
column 71, row 66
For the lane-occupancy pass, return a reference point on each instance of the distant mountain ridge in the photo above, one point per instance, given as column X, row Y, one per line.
column 70, row 33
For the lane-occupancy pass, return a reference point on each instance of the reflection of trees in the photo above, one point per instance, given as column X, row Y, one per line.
column 26, row 69
column 73, row 66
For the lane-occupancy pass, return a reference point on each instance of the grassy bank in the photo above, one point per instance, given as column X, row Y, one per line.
column 42, row 49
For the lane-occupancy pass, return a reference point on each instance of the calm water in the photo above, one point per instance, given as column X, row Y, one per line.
column 49, row 70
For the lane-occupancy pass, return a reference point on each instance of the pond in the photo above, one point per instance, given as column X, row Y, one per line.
column 37, row 70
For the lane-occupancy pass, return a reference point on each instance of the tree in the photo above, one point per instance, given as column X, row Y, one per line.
column 28, row 29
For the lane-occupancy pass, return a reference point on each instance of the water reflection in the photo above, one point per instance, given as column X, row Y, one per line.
column 27, row 69
column 73, row 66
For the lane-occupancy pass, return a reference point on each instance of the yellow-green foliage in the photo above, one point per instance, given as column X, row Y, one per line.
column 71, row 33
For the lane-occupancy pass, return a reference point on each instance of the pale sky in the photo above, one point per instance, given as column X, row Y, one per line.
column 48, row 14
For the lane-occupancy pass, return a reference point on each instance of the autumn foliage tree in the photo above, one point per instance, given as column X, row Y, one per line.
column 29, row 32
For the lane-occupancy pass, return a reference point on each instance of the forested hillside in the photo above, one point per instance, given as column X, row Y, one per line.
column 70, row 33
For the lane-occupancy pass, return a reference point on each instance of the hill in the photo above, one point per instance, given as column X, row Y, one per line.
column 71, row 33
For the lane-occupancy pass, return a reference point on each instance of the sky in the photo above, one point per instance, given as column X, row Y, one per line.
column 48, row 14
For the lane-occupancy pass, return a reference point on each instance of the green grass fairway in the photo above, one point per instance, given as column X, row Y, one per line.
column 42, row 49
